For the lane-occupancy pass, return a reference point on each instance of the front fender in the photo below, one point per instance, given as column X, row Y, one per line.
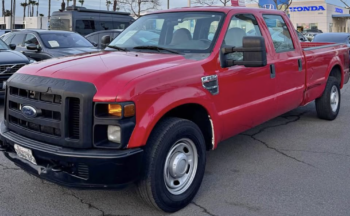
column 167, row 102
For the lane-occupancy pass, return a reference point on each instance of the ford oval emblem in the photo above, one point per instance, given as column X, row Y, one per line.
column 29, row 111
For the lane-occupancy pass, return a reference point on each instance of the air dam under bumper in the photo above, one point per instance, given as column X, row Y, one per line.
column 78, row 168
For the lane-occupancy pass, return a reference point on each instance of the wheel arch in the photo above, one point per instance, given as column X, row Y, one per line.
column 188, row 103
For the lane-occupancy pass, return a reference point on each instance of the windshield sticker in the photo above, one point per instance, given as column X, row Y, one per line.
column 126, row 37
column 54, row 44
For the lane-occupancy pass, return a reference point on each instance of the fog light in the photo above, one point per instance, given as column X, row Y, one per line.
column 114, row 134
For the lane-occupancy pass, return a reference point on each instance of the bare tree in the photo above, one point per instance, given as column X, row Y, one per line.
column 210, row 2
column 138, row 7
column 3, row 10
column 108, row 4
column 347, row 6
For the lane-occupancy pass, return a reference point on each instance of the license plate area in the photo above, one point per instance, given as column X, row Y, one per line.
column 25, row 154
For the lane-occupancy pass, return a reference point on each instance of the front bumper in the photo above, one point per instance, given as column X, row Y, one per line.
column 78, row 168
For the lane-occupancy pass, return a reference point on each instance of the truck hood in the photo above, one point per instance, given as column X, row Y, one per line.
column 104, row 69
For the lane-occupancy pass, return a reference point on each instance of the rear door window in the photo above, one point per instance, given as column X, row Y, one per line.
column 279, row 32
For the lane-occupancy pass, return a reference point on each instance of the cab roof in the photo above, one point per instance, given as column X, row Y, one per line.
column 224, row 9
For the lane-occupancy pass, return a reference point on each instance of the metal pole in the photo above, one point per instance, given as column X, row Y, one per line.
column 11, row 24
column 168, row 4
column 189, row 3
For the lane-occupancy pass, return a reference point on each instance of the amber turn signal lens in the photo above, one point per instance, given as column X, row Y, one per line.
column 115, row 109
column 129, row 110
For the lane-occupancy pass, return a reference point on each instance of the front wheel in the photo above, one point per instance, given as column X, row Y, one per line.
column 328, row 105
column 174, row 165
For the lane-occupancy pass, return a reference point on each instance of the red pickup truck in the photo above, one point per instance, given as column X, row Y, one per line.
column 170, row 87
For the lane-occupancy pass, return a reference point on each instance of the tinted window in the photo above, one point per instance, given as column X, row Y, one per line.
column 85, row 27
column 279, row 32
column 241, row 25
column 60, row 24
column 31, row 39
column 7, row 38
column 120, row 25
column 18, row 40
column 103, row 25
column 64, row 40
column 3, row 46
column 93, row 38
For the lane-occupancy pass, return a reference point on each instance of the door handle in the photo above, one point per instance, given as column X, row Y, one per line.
column 272, row 71
column 300, row 65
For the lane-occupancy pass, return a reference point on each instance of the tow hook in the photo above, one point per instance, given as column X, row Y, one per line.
column 44, row 170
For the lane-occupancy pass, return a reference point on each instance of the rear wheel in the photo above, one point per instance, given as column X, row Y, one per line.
column 174, row 165
column 328, row 105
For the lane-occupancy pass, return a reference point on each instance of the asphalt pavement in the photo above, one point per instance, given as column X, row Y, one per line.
column 295, row 164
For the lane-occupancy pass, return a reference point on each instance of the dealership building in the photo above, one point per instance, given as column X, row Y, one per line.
column 325, row 15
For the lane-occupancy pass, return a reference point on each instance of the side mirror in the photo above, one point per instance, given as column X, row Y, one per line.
column 34, row 47
column 105, row 40
column 12, row 46
column 254, row 52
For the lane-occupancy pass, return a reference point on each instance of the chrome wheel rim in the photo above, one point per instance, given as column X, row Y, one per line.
column 334, row 98
column 180, row 166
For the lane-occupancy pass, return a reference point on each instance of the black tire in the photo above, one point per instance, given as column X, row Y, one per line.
column 323, row 104
column 152, row 187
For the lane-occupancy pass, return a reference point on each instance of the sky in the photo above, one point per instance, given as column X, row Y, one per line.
column 92, row 4
column 100, row 4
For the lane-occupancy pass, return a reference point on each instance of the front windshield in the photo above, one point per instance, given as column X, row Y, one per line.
column 3, row 46
column 184, row 32
column 64, row 40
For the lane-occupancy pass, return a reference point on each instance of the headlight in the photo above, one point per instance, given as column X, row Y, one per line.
column 114, row 134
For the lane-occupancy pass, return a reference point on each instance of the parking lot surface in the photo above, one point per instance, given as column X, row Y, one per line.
column 295, row 164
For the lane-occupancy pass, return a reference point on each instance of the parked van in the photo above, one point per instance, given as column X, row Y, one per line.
column 85, row 21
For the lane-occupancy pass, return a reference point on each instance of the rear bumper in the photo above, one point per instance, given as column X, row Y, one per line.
column 74, row 168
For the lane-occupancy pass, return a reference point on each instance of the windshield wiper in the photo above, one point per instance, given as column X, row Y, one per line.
column 118, row 48
column 156, row 48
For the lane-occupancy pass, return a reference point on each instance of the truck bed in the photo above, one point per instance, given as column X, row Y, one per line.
column 319, row 58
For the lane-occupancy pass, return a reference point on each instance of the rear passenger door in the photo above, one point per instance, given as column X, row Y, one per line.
column 287, row 63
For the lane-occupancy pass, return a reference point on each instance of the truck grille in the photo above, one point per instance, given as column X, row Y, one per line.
column 61, row 116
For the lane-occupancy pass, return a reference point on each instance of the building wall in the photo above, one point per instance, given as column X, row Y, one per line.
column 320, row 19
column 29, row 22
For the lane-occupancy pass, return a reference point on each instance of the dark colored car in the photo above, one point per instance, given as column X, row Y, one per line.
column 4, row 31
column 45, row 44
column 301, row 37
column 333, row 38
column 10, row 62
column 96, row 37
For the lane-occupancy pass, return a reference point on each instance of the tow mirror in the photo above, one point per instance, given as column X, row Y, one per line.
column 105, row 40
column 254, row 52
column 12, row 46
